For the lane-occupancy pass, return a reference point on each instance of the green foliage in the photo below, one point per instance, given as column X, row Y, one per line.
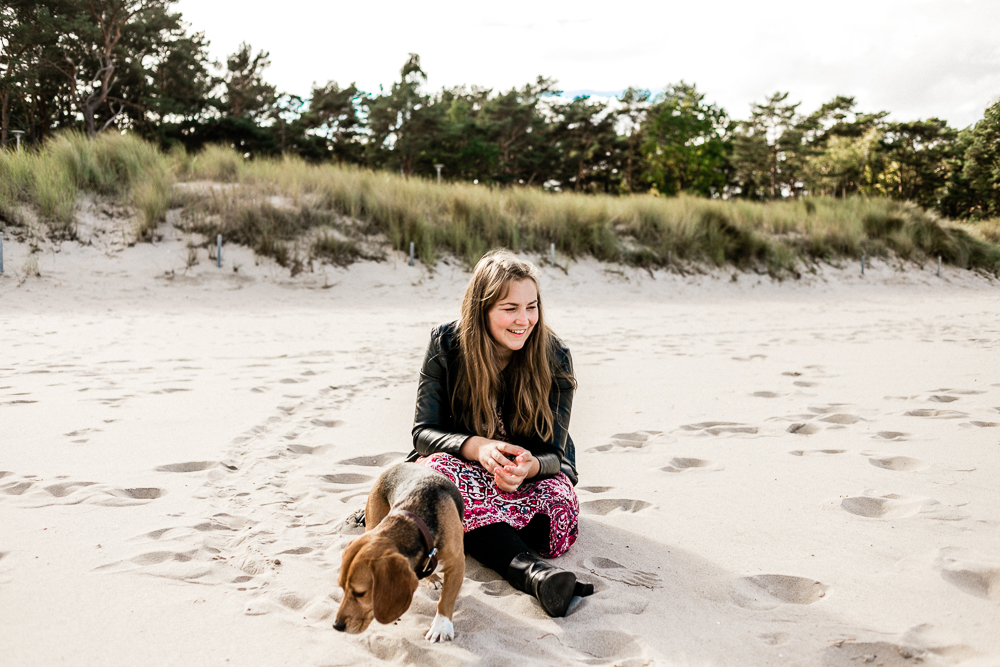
column 982, row 164
column 465, row 220
column 103, row 65
column 124, row 168
column 685, row 143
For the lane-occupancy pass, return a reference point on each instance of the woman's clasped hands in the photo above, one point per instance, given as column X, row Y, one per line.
column 510, row 464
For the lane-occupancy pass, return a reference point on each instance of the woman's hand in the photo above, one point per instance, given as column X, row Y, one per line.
column 510, row 465
column 525, row 466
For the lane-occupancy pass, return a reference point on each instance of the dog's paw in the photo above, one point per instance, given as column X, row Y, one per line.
column 433, row 582
column 441, row 630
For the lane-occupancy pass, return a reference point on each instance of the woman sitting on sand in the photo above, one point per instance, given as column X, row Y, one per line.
column 493, row 408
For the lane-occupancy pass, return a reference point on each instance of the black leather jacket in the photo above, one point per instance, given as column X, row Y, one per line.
column 435, row 428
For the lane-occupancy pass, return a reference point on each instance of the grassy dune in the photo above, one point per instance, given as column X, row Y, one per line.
column 297, row 212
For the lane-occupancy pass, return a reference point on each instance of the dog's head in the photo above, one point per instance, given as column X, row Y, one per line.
column 377, row 581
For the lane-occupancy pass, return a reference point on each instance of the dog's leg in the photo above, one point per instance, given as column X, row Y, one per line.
column 442, row 629
column 375, row 509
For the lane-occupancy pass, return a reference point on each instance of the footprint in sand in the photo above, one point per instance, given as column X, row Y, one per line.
column 766, row 394
column 606, row 506
column 636, row 440
column 800, row 428
column 191, row 466
column 882, row 654
column 612, row 646
column 346, row 478
column 595, row 489
column 936, row 414
column 943, row 399
column 895, row 506
column 615, row 571
column 827, row 409
column 376, row 461
column 719, row 428
column 901, row 463
column 891, row 435
column 326, row 423
column 841, row 418
column 66, row 488
column 816, row 452
column 970, row 572
column 299, row 450
column 679, row 464
column 767, row 591
column 15, row 488
column 985, row 424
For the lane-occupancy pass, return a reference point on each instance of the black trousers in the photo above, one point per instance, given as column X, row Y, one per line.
column 496, row 545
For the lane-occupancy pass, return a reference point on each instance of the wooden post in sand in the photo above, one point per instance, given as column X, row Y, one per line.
column 218, row 252
column 862, row 263
column 552, row 254
column 939, row 265
column 1, row 252
column 411, row 253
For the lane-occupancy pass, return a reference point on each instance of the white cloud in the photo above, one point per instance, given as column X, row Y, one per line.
column 914, row 58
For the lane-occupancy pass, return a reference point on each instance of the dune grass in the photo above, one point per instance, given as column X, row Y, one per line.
column 124, row 168
column 297, row 212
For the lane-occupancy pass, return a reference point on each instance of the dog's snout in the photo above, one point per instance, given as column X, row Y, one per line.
column 339, row 625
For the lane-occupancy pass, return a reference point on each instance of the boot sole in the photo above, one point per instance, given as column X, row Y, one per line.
column 556, row 592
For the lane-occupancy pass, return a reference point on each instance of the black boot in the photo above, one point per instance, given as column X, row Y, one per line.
column 553, row 587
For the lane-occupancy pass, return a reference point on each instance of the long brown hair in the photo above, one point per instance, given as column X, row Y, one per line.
column 530, row 368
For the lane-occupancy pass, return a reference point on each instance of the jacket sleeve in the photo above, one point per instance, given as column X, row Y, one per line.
column 433, row 422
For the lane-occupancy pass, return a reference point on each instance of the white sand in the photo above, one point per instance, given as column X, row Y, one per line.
column 180, row 453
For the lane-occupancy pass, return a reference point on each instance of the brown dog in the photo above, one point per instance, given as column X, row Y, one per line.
column 413, row 518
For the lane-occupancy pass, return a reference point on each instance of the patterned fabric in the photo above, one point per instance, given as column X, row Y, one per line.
column 486, row 504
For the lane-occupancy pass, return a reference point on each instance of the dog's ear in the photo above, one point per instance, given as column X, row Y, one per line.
column 348, row 556
column 394, row 584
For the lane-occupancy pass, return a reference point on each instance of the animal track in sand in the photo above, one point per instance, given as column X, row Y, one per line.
column 894, row 506
column 816, row 452
column 804, row 429
column 376, row 461
column 606, row 506
column 877, row 654
column 936, row 414
column 970, row 572
column 767, row 591
column 679, row 464
column 901, row 463
column 615, row 571
column 192, row 466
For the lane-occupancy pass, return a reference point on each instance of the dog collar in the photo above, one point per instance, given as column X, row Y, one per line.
column 430, row 563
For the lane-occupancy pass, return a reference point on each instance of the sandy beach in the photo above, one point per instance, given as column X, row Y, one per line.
column 802, row 472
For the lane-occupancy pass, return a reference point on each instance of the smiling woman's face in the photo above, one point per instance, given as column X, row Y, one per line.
column 513, row 318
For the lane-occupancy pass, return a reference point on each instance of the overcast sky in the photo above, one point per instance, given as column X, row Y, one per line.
column 914, row 58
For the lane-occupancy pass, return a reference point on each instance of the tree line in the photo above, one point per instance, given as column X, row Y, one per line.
column 134, row 65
